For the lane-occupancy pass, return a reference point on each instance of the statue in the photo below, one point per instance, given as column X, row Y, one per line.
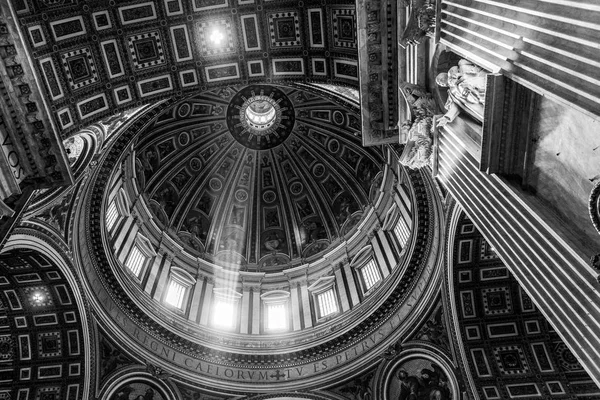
column 418, row 148
column 416, row 132
column 466, row 85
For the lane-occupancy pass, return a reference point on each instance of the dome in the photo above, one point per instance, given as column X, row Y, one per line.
column 266, row 177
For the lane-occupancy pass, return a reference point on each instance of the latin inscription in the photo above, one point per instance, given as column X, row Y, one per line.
column 203, row 367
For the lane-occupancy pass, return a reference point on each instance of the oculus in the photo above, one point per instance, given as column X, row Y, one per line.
column 260, row 117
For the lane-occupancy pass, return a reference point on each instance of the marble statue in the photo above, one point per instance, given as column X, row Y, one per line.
column 416, row 133
column 466, row 85
column 418, row 149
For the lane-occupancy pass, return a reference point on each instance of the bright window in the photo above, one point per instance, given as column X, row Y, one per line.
column 401, row 231
column 135, row 260
column 327, row 303
column 370, row 274
column 175, row 293
column 112, row 214
column 224, row 313
column 276, row 316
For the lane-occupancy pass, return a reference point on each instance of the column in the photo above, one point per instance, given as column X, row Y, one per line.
column 207, row 302
column 256, row 307
column 196, row 299
column 154, row 271
column 164, row 275
column 549, row 266
column 550, row 47
column 384, row 247
column 351, row 284
column 245, row 317
column 295, row 306
column 305, row 296
column 339, row 278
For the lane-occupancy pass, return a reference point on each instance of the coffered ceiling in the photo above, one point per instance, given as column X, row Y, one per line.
column 100, row 57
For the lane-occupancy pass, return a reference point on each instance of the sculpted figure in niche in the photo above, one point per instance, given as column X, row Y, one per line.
column 466, row 88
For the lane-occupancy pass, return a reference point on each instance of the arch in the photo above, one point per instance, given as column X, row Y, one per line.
column 133, row 376
column 40, row 243
column 386, row 373
column 362, row 253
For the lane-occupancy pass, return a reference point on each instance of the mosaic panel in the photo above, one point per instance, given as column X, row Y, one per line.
column 155, row 85
column 189, row 77
column 181, row 43
column 37, row 36
column 122, row 94
column 146, row 50
column 222, row 72
column 204, row 5
column 102, row 20
column 502, row 330
column 346, row 69
column 64, row 118
column 523, row 390
column 542, row 357
column 255, row 68
column 68, row 28
column 45, row 319
column 288, row 66
column 496, row 301
column 92, row 106
column 137, row 13
column 491, row 392
column 51, row 78
column 173, row 7
column 112, row 58
column 344, row 28
column 216, row 37
column 481, row 363
column 493, row 273
column 319, row 66
column 250, row 32
column 38, row 296
column 49, row 344
column 511, row 360
column 284, row 29
column 487, row 251
column 315, row 28
column 80, row 68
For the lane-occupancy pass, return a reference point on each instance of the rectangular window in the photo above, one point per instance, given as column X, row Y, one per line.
column 135, row 260
column 402, row 232
column 112, row 214
column 370, row 274
column 276, row 316
column 327, row 303
column 175, row 294
column 224, row 313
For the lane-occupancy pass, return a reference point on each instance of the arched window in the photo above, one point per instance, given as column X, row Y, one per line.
column 370, row 275
column 117, row 209
column 178, row 288
column 225, row 309
column 139, row 256
column 276, row 314
column 367, row 269
column 324, row 297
